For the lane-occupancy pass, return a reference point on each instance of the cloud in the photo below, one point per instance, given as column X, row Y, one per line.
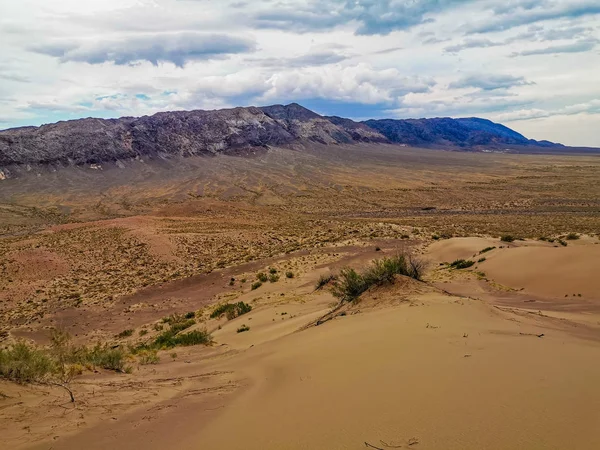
column 591, row 107
column 177, row 48
column 321, row 58
column 527, row 12
column 471, row 43
column 373, row 17
column 576, row 47
column 357, row 84
column 14, row 77
column 489, row 82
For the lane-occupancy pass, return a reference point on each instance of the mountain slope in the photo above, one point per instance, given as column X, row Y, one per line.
column 189, row 133
column 465, row 133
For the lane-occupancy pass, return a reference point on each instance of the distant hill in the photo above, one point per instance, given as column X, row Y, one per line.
column 445, row 132
column 188, row 133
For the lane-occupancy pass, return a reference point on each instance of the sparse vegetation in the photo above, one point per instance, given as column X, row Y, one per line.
column 243, row 329
column 231, row 310
column 273, row 278
column 507, row 238
column 462, row 264
column 58, row 364
column 147, row 357
column 480, row 260
column 487, row 249
column 572, row 237
column 324, row 280
column 352, row 284
column 256, row 285
column 125, row 334
column 262, row 277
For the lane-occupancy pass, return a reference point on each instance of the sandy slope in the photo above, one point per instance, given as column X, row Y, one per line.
column 448, row 373
column 407, row 367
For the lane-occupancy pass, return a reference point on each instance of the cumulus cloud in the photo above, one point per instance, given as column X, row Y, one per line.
column 489, row 82
column 177, row 48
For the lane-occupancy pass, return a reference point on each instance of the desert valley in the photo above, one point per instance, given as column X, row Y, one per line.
column 303, row 283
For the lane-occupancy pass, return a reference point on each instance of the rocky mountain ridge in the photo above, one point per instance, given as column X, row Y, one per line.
column 189, row 133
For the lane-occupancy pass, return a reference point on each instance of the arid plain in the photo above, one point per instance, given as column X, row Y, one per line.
column 503, row 353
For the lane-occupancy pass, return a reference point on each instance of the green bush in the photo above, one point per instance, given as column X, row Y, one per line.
column 272, row 271
column 196, row 337
column 231, row 310
column 243, row 329
column 169, row 339
column 480, row 260
column 149, row 356
column 462, row 264
column 262, row 277
column 289, row 274
column 256, row 285
column 25, row 364
column 273, row 278
column 125, row 334
column 352, row 284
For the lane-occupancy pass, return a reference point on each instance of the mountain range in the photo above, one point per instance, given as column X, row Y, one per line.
column 189, row 133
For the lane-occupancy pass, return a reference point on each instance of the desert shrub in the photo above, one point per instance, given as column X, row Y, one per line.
column 480, row 260
column 256, row 285
column 572, row 237
column 352, row 284
column 262, row 277
column 125, row 334
column 101, row 355
column 563, row 243
column 169, row 339
column 176, row 327
column 273, row 278
column 190, row 315
column 487, row 249
column 507, row 238
column 272, row 270
column 143, row 332
column 26, row 364
column 196, row 337
column 324, row 280
column 462, row 264
column 289, row 274
column 149, row 356
column 231, row 310
column 243, row 329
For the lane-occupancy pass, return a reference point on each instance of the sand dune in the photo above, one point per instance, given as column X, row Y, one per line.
column 408, row 366
column 437, row 373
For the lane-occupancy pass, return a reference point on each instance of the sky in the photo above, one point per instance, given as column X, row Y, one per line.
column 533, row 65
